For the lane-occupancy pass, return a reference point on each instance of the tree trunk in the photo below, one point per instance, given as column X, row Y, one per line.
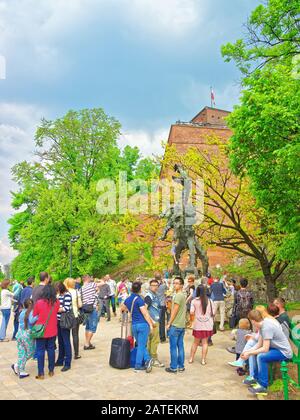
column 271, row 288
column 270, row 281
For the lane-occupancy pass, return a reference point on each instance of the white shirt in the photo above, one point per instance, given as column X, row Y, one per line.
column 113, row 287
column 6, row 299
column 75, row 298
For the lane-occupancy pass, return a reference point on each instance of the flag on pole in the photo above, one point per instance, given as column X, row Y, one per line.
column 213, row 100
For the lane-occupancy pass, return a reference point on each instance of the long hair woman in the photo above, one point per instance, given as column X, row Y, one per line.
column 77, row 305
column 46, row 309
column 6, row 307
column 64, row 340
column 202, row 316
column 25, row 344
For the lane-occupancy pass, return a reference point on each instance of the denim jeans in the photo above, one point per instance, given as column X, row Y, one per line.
column 141, row 333
column 43, row 345
column 5, row 320
column 16, row 324
column 64, row 347
column 176, row 336
column 250, row 344
column 92, row 322
column 260, row 363
column 104, row 306
column 113, row 303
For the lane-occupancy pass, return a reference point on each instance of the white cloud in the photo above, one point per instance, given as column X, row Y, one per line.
column 168, row 17
column 149, row 143
column 45, row 22
column 196, row 94
column 6, row 252
column 17, row 126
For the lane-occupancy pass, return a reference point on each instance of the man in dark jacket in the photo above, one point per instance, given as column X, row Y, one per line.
column 104, row 299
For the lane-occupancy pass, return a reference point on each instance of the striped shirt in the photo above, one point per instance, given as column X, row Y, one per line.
column 65, row 301
column 89, row 294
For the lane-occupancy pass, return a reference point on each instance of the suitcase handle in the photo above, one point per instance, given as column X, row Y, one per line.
column 124, row 324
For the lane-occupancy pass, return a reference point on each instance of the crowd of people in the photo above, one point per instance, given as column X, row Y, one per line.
column 48, row 315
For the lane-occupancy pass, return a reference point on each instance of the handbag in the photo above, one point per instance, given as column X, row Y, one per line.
column 38, row 331
column 67, row 320
column 87, row 308
column 214, row 327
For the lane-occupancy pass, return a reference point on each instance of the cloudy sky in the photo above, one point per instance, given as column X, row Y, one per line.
column 146, row 62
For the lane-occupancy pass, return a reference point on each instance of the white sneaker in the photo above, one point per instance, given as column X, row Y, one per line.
column 23, row 375
column 157, row 363
column 237, row 364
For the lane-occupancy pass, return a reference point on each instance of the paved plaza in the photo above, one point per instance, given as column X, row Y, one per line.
column 91, row 378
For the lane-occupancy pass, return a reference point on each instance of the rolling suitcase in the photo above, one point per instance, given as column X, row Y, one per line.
column 120, row 349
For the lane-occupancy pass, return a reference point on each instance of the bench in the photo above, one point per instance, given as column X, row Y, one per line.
column 284, row 368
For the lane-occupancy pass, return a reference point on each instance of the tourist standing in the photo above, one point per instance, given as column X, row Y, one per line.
column 38, row 290
column 25, row 344
column 153, row 305
column 218, row 293
column 142, row 325
column 161, row 293
column 273, row 346
column 244, row 301
column 113, row 291
column 202, row 316
column 104, row 299
column 7, row 299
column 122, row 291
column 76, row 305
column 64, row 334
column 190, row 290
column 17, row 307
column 27, row 291
column 46, row 309
column 176, row 328
column 89, row 297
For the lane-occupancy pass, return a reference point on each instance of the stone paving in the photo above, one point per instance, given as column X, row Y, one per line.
column 91, row 378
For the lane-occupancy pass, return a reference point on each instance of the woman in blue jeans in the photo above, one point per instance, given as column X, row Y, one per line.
column 273, row 346
column 7, row 298
column 64, row 335
column 142, row 324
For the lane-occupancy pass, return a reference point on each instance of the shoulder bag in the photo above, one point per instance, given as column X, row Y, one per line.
column 38, row 331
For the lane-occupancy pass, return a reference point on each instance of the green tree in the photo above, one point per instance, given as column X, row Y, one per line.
column 57, row 197
column 272, row 35
column 232, row 219
column 266, row 125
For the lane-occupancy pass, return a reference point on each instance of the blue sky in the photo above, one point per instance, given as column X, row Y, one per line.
column 146, row 62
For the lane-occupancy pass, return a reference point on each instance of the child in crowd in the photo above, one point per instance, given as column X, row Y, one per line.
column 25, row 344
column 241, row 335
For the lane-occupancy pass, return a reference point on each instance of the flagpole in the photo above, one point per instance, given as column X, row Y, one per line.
column 211, row 101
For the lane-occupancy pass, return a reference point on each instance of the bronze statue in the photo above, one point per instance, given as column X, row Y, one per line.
column 182, row 218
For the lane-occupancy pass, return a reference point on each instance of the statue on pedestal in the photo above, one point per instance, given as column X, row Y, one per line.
column 182, row 218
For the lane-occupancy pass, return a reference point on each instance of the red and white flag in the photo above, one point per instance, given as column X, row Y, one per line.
column 213, row 99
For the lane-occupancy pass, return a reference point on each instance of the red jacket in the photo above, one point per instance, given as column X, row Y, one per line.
column 42, row 309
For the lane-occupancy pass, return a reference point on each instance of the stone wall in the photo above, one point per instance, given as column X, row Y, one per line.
column 288, row 289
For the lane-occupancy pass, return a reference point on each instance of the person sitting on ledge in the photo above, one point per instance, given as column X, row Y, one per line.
column 273, row 346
